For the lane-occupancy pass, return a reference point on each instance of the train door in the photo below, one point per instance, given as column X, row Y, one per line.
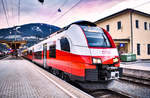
column 32, row 53
column 45, row 55
column 65, row 46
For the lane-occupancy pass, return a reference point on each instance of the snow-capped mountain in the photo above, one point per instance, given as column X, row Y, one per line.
column 32, row 33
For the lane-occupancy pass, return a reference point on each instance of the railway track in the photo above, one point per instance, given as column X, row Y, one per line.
column 131, row 86
column 135, row 79
column 107, row 93
column 126, row 87
column 2, row 57
column 101, row 92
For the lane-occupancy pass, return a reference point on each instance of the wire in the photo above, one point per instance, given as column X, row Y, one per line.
column 6, row 7
column 66, row 12
column 12, row 10
column 55, row 12
column 5, row 12
column 141, row 4
column 59, row 9
column 63, row 4
column 18, row 12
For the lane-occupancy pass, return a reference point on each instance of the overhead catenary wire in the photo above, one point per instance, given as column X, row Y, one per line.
column 63, row 4
column 4, row 9
column 12, row 11
column 66, row 12
column 8, row 10
column 18, row 12
column 55, row 12
column 142, row 4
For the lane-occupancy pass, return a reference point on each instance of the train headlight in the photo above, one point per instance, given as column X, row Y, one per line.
column 115, row 60
column 97, row 61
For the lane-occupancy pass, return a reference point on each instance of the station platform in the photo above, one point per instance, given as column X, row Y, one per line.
column 20, row 78
column 139, row 69
column 138, row 65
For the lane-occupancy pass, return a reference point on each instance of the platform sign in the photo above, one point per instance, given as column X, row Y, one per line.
column 9, row 49
column 122, row 45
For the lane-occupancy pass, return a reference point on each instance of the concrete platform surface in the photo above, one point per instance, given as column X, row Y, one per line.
column 139, row 65
column 139, row 69
column 22, row 79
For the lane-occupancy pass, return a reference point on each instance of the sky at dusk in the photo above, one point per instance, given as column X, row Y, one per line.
column 32, row 11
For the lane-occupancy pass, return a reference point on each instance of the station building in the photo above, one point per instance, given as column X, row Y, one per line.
column 130, row 30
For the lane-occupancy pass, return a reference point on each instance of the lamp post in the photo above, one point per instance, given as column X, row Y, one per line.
column 16, row 30
column 38, row 37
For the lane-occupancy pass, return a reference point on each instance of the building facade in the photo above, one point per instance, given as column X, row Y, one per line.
column 130, row 29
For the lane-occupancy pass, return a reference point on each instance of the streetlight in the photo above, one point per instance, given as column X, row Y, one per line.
column 16, row 29
column 38, row 37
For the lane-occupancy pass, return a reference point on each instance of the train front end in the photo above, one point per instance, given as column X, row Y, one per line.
column 104, row 55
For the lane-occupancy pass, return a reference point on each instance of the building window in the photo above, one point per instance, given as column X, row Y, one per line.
column 148, row 49
column 138, row 49
column 107, row 28
column 65, row 44
column 145, row 25
column 119, row 25
column 52, row 51
column 137, row 23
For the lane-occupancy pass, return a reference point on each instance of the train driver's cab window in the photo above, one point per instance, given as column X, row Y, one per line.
column 64, row 43
column 96, row 37
column 52, row 51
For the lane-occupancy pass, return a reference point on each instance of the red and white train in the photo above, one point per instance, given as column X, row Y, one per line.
column 81, row 51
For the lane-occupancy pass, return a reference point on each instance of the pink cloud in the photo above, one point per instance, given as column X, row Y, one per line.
column 33, row 11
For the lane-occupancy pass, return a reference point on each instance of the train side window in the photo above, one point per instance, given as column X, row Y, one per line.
column 64, row 43
column 30, row 52
column 38, row 55
column 52, row 51
column 27, row 52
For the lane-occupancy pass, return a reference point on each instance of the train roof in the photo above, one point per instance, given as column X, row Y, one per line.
column 82, row 22
column 85, row 23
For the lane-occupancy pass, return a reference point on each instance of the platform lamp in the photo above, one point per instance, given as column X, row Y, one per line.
column 16, row 30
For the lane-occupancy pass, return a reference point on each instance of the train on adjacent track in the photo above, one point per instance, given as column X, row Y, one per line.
column 81, row 51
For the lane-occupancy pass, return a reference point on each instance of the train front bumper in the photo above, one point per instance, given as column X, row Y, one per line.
column 103, row 73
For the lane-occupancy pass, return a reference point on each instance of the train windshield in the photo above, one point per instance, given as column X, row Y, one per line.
column 96, row 37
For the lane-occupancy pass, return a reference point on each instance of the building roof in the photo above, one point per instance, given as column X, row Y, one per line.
column 121, row 39
column 123, row 12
